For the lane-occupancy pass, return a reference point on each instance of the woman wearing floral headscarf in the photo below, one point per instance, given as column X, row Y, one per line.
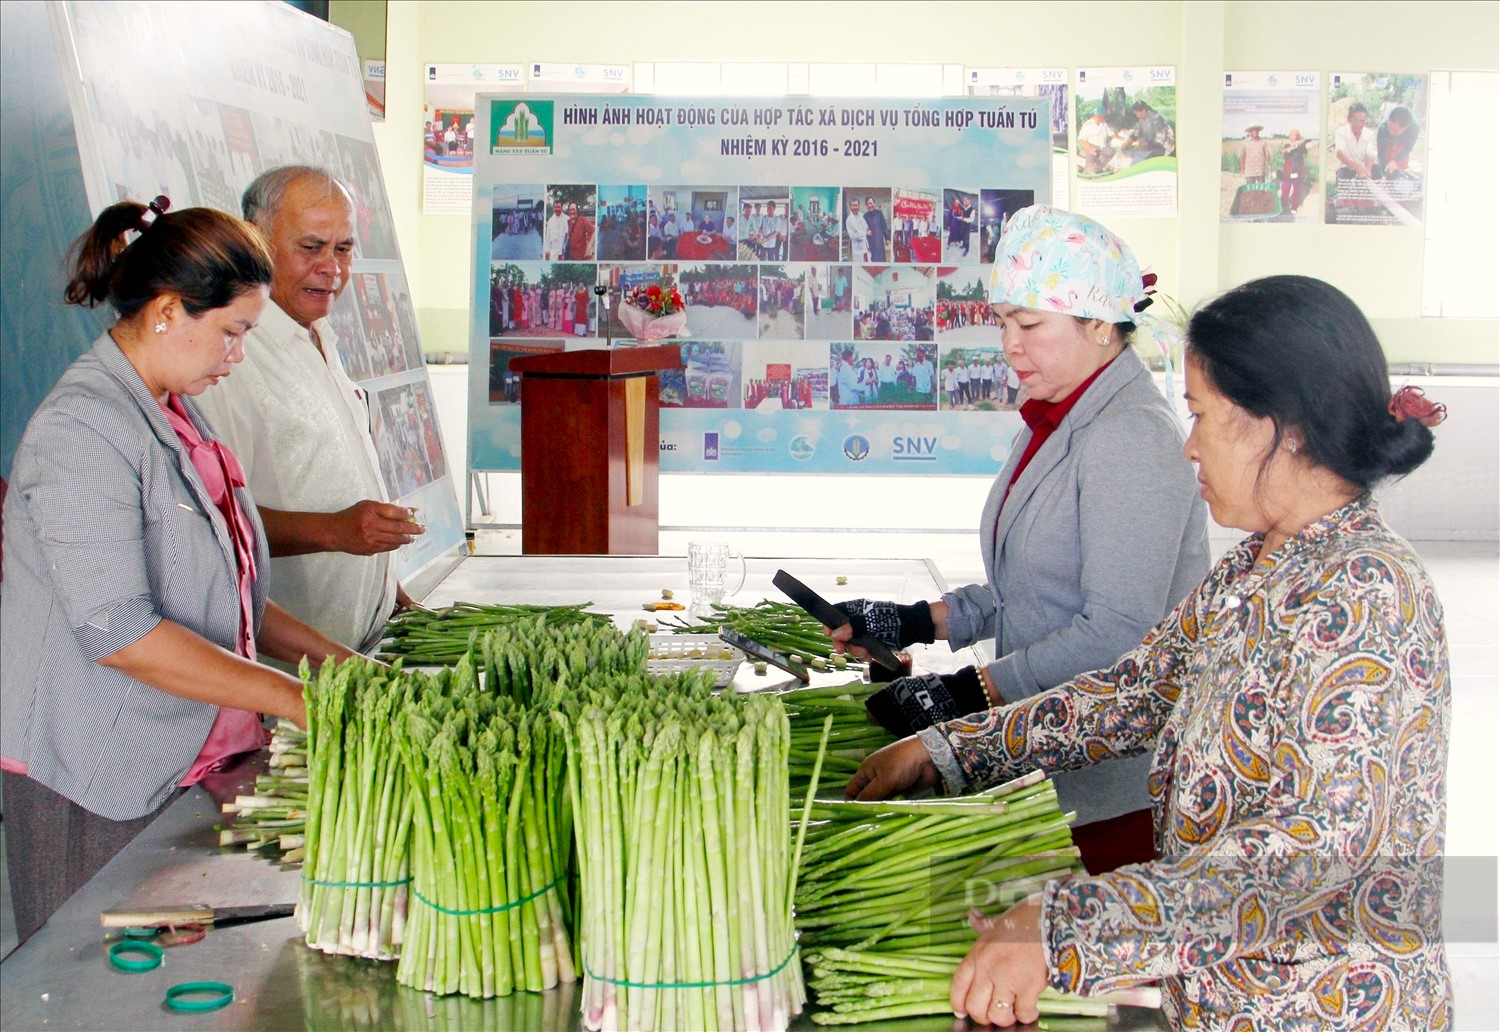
column 1093, row 530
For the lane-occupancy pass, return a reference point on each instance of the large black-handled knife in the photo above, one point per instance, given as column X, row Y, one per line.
column 832, row 617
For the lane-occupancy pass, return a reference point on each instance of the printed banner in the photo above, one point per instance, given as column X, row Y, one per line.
column 1376, row 152
column 448, row 130
column 263, row 86
column 375, row 89
column 1126, row 155
column 580, row 78
column 1268, row 159
column 1051, row 83
column 833, row 256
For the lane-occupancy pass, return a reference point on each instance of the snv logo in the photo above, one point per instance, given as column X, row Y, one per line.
column 914, row 449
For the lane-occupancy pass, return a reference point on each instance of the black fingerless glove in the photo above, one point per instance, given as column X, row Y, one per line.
column 896, row 625
column 908, row 704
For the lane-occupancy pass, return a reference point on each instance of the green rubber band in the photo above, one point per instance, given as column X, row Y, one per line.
column 692, row 985
column 223, row 996
column 355, row 884
column 490, row 910
column 149, row 950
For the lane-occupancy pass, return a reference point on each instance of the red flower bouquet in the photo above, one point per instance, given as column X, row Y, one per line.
column 651, row 313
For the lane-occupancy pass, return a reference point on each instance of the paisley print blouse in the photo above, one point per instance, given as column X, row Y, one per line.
column 1298, row 791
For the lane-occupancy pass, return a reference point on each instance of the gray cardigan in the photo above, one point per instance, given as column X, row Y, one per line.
column 108, row 531
column 1103, row 534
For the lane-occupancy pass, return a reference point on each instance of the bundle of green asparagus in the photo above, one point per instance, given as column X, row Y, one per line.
column 274, row 817
column 686, row 868
column 439, row 637
column 886, row 889
column 354, row 876
column 491, row 840
column 854, row 988
column 529, row 658
column 894, row 872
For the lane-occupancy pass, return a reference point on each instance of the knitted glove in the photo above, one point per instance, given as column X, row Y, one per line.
column 896, row 625
column 908, row 704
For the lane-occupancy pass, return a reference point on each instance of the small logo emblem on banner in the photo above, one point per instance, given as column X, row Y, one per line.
column 520, row 127
column 856, row 447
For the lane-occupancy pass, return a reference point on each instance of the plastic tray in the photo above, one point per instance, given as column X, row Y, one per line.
column 674, row 653
column 1273, row 188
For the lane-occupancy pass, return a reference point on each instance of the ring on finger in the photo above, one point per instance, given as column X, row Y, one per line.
column 1000, row 1005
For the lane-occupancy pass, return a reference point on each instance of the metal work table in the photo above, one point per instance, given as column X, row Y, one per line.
column 61, row 977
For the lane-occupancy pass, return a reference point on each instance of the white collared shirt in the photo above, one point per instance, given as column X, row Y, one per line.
column 300, row 428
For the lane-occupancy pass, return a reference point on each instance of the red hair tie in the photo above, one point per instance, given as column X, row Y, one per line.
column 1410, row 403
column 1148, row 287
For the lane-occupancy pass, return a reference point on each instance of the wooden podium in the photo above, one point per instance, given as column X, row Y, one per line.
column 589, row 441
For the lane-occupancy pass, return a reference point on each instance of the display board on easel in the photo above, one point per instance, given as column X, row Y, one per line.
column 195, row 109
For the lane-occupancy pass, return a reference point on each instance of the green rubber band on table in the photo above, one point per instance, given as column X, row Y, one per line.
column 223, row 996
column 149, row 950
column 355, row 884
column 554, row 883
column 692, row 985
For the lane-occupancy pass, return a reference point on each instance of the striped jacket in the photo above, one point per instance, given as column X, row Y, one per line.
column 108, row 531
column 1099, row 538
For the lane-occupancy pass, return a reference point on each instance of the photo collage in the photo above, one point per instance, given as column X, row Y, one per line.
column 798, row 297
column 373, row 319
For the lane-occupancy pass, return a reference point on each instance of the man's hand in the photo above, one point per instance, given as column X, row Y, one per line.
column 370, row 527
column 405, row 601
column 365, row 528
column 894, row 770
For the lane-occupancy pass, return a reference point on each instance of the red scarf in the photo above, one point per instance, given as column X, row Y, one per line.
column 234, row 731
column 221, row 473
column 1044, row 417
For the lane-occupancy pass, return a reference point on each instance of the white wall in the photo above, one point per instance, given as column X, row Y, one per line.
column 1195, row 256
column 1454, row 496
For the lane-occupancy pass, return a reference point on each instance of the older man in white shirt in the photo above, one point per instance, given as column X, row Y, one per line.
column 1354, row 144
column 300, row 428
column 773, row 230
column 555, row 234
column 671, row 229
column 859, row 235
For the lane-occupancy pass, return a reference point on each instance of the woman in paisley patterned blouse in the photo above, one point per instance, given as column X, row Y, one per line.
column 1301, row 696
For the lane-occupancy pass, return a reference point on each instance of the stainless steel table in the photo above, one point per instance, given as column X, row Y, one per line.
column 61, row 977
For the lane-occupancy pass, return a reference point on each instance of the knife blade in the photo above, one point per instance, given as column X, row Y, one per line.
column 832, row 617
column 193, row 913
column 756, row 650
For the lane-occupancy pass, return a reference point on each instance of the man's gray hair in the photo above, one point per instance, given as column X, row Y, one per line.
column 262, row 198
